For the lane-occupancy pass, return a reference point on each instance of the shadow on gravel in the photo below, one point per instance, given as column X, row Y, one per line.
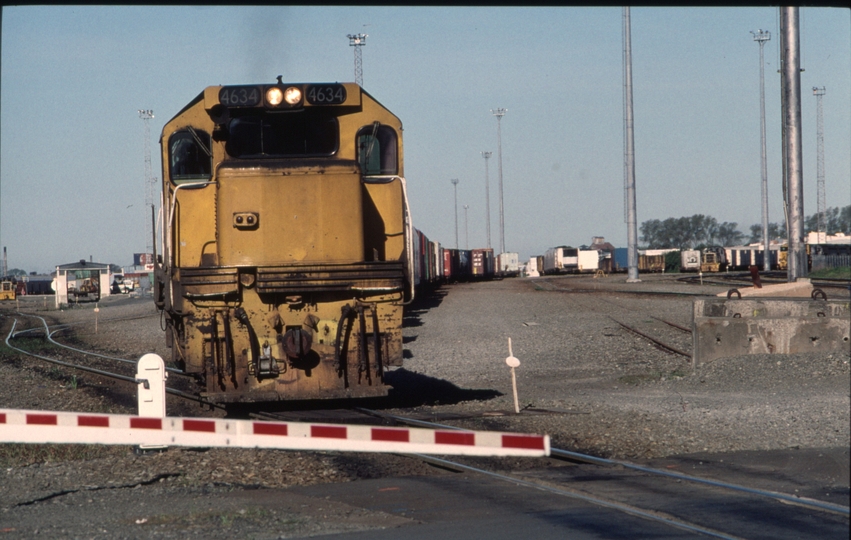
column 413, row 389
column 423, row 301
column 409, row 389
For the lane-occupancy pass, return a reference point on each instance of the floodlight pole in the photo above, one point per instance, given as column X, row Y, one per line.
column 487, row 156
column 145, row 115
column 499, row 113
column 357, row 41
column 822, row 198
column 791, row 94
column 629, row 155
column 455, row 184
column 466, row 228
column 761, row 37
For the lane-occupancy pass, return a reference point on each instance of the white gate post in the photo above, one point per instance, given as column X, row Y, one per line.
column 151, row 376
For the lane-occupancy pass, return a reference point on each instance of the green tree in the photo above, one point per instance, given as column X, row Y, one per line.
column 689, row 232
column 729, row 235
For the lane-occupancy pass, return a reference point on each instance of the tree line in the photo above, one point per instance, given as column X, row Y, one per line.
column 699, row 230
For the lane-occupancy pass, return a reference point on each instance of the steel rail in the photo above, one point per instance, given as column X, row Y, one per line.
column 110, row 375
column 673, row 325
column 658, row 343
column 66, row 364
column 49, row 336
column 810, row 503
column 567, row 454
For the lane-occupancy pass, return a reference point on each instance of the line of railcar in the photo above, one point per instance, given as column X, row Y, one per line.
column 434, row 264
column 606, row 258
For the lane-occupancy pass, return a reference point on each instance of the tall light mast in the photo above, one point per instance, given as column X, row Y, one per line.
column 455, row 184
column 487, row 156
column 790, row 55
column 466, row 228
column 822, row 202
column 499, row 113
column 145, row 115
column 357, row 41
column 761, row 37
column 629, row 155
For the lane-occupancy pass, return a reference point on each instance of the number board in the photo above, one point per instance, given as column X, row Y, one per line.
column 240, row 96
column 325, row 94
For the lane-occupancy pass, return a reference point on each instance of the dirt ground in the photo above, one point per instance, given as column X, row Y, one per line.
column 584, row 380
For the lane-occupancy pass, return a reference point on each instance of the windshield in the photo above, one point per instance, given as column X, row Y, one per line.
column 308, row 132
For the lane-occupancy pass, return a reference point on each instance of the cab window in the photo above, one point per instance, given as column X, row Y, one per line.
column 189, row 156
column 296, row 134
column 376, row 145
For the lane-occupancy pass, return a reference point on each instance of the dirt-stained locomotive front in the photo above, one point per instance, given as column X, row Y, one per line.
column 286, row 239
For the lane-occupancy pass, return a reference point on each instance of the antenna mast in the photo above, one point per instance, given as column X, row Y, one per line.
column 822, row 206
column 357, row 41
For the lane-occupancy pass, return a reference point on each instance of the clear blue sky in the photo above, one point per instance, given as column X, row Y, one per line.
column 73, row 78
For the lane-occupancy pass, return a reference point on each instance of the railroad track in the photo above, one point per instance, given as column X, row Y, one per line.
column 838, row 286
column 668, row 343
column 627, row 487
column 582, row 481
column 44, row 330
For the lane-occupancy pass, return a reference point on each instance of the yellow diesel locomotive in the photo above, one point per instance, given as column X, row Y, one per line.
column 286, row 242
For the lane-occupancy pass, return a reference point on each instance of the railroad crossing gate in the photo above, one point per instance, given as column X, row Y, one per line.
column 28, row 426
column 151, row 428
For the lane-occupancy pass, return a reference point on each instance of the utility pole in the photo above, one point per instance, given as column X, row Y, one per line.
column 357, row 41
column 629, row 154
column 487, row 156
column 791, row 88
column 145, row 115
column 455, row 184
column 822, row 202
column 499, row 113
column 761, row 37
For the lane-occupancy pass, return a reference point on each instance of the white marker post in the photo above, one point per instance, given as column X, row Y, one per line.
column 513, row 363
column 97, row 310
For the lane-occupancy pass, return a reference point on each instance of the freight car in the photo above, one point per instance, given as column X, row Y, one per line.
column 457, row 265
column 508, row 264
column 288, row 245
column 560, row 259
column 483, row 263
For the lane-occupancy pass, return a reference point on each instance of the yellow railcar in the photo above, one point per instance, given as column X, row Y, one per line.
column 285, row 263
column 8, row 289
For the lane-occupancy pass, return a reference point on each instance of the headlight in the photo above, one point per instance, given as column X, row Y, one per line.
column 274, row 96
column 292, row 95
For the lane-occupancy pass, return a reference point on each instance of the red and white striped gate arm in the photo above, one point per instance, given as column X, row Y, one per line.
column 29, row 426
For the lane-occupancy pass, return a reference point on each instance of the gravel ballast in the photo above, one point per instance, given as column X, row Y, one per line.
column 586, row 381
